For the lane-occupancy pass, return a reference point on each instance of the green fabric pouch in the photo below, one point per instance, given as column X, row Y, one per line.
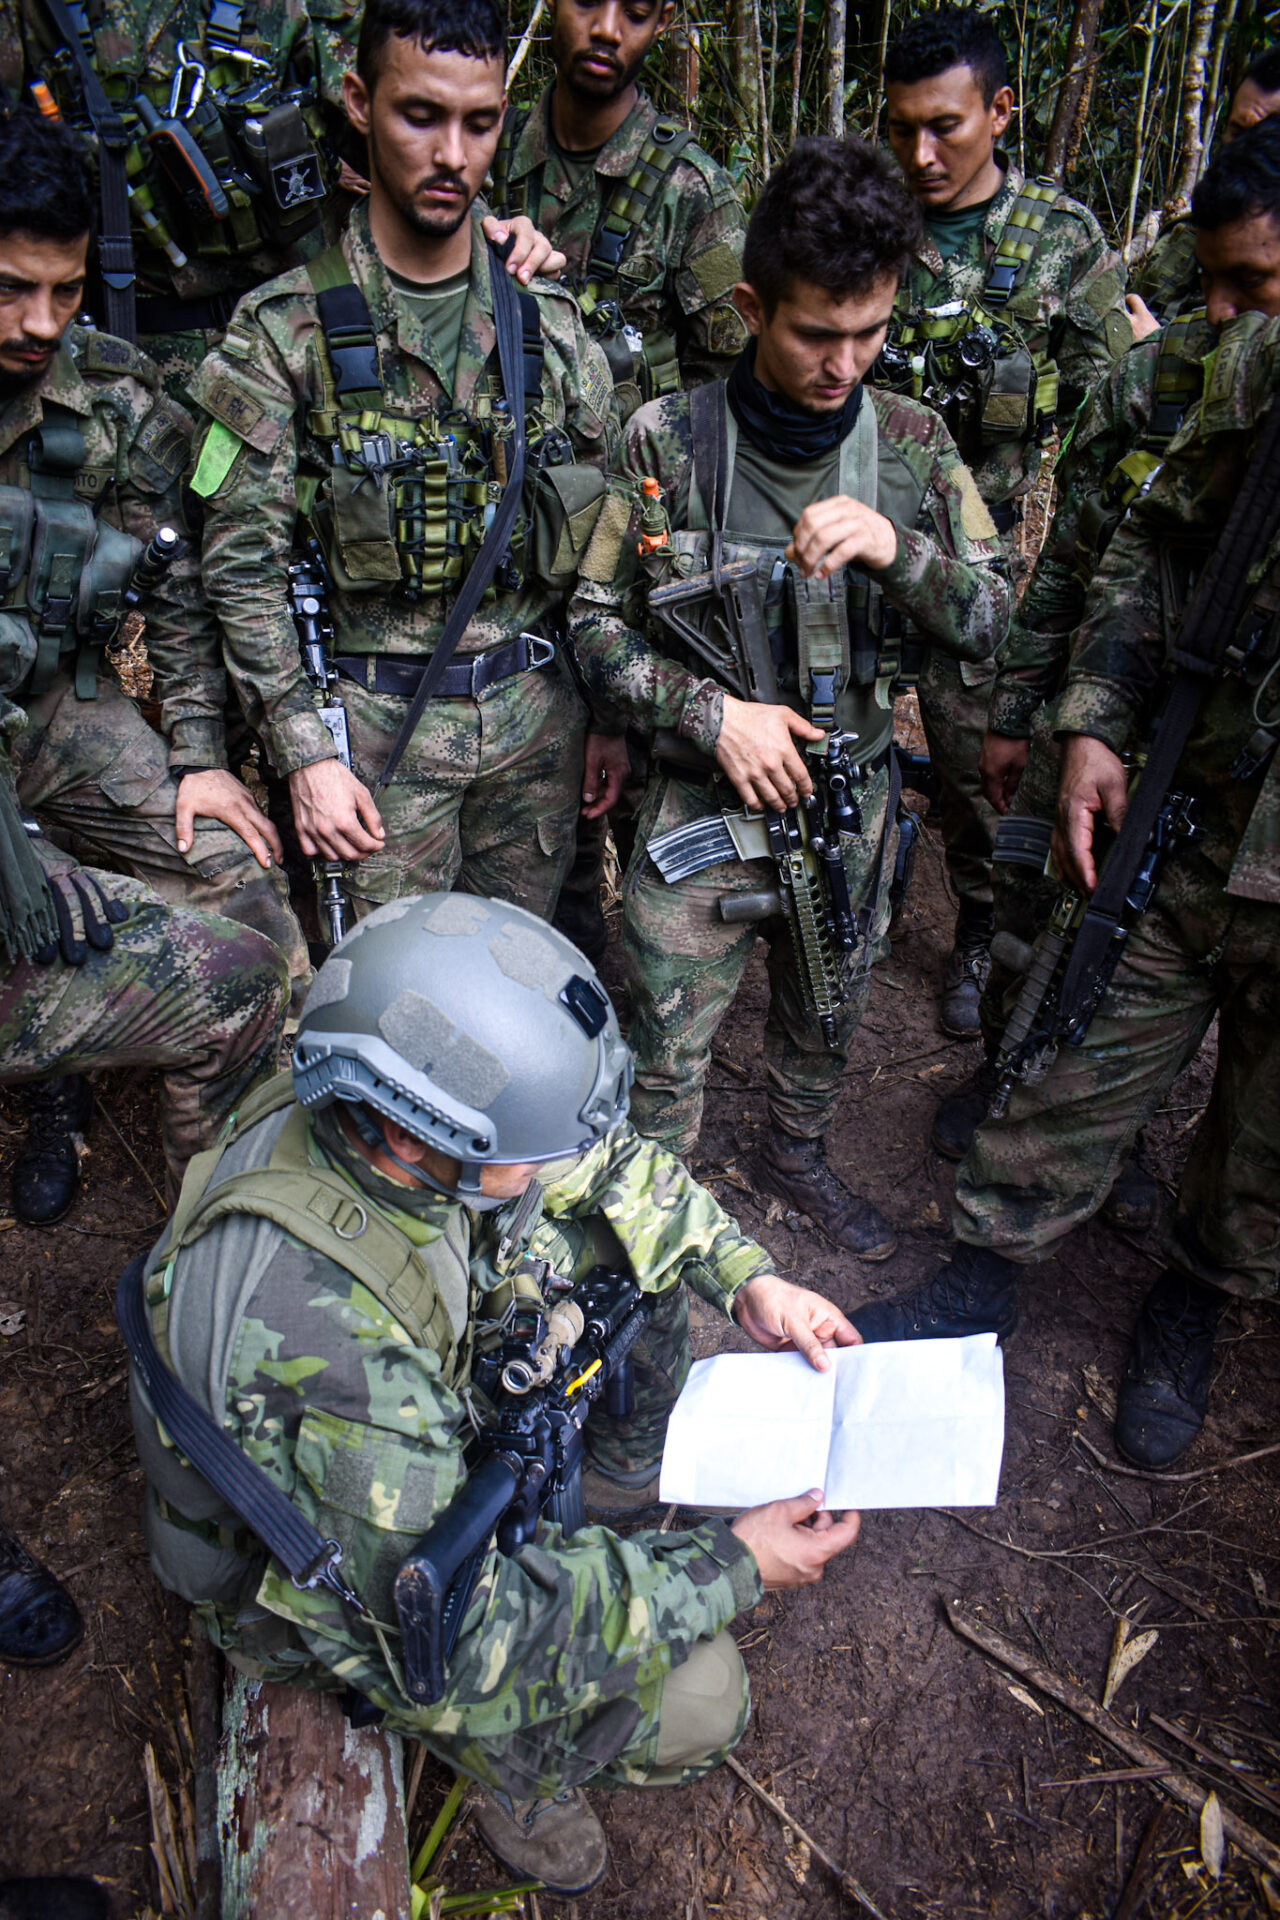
column 564, row 506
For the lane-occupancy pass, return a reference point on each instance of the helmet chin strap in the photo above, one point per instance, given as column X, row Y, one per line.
column 467, row 1191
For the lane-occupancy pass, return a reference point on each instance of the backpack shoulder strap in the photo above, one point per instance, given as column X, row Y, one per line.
column 350, row 344
column 626, row 207
column 1016, row 247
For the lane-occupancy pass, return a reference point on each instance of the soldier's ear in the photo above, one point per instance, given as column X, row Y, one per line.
column 355, row 98
column 1001, row 110
column 749, row 305
column 666, row 14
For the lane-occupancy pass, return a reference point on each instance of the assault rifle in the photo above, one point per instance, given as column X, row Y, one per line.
column 1044, row 1018
column 542, row 1381
column 309, row 605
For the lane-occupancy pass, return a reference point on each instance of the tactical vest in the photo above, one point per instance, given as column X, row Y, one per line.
column 406, row 499
column 644, row 366
column 64, row 572
column 968, row 359
column 229, row 153
column 1179, row 379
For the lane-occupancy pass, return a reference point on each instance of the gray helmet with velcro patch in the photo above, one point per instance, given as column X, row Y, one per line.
column 472, row 1024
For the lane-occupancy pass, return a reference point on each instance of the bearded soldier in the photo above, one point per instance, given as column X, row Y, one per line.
column 800, row 528
column 1009, row 311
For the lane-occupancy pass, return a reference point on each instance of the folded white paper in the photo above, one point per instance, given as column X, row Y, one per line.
column 906, row 1423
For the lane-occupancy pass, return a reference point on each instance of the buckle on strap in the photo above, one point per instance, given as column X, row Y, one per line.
column 324, row 1573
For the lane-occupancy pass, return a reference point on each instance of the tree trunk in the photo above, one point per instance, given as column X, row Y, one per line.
column 837, row 29
column 885, row 19
column 1140, row 125
column 1192, row 140
column 311, row 1812
column 1221, row 35
column 1073, row 94
column 743, row 66
column 797, row 62
column 684, row 62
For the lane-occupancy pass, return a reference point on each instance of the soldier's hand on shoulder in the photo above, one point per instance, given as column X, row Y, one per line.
column 1001, row 765
column 214, row 794
column 334, row 813
column 1093, row 781
column 791, row 1541
column 756, row 746
column 839, row 532
column 786, row 1318
column 1141, row 318
column 531, row 251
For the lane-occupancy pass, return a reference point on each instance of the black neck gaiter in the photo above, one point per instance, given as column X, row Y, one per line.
column 774, row 425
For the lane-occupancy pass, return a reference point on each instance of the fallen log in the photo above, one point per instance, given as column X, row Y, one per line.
column 311, row 1812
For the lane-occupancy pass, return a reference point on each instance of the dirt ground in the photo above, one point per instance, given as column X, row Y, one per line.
column 917, row 1764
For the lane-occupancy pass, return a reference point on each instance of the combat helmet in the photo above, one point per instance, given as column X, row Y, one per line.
column 472, row 1024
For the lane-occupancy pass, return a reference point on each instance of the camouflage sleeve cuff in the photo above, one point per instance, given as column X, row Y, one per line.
column 720, row 1278
column 736, row 1561
column 702, row 717
column 1096, row 707
column 197, row 746
column 298, row 740
column 1013, row 707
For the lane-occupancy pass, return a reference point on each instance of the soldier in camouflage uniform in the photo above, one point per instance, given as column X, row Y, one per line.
column 1167, row 280
column 581, row 1659
column 1209, row 943
column 385, row 437
column 652, row 228
column 1010, row 310
column 822, row 473
column 91, row 454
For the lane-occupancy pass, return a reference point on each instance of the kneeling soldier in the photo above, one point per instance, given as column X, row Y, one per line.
column 793, row 520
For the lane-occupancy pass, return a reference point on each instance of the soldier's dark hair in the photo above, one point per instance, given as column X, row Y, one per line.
column 1264, row 71
column 1244, row 179
column 477, row 28
column 835, row 214
column 46, row 177
column 935, row 42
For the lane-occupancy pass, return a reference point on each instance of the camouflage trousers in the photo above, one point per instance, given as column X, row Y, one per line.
column 94, row 771
column 1024, row 897
column 195, row 996
column 1046, row 1167
column 486, row 797
column 954, row 697
column 685, row 965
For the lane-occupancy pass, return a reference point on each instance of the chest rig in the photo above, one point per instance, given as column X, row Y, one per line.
column 969, row 359
column 406, row 498
column 222, row 157
column 644, row 365
column 64, row 572
column 1179, row 378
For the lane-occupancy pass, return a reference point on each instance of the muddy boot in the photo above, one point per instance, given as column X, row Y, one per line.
column 976, row 1292
column 1133, row 1204
column 59, row 1897
column 959, row 1116
column 559, row 1842
column 39, row 1621
column 1164, row 1395
column 797, row 1172
column 621, row 1496
column 966, row 975
column 46, row 1174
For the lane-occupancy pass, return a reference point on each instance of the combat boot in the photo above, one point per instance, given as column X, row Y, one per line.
column 965, row 977
column 959, row 1116
column 1133, row 1204
column 1164, row 1395
column 46, row 1174
column 39, row 1621
column 797, row 1172
column 559, row 1842
column 975, row 1292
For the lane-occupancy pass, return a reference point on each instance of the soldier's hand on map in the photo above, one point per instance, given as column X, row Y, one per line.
column 783, row 1317
column 334, row 813
column 791, row 1541
column 757, row 749
column 1093, row 781
column 1141, row 318
column 531, row 253
column 1001, row 764
column 833, row 533
column 214, row 794
column 607, row 764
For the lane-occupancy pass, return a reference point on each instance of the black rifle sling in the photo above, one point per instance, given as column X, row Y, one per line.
column 307, row 1557
column 708, row 422
column 1207, row 629
column 115, row 244
column 509, row 327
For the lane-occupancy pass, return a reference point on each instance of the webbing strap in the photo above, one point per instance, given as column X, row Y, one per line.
column 628, row 204
column 115, row 243
column 351, row 346
column 1018, row 241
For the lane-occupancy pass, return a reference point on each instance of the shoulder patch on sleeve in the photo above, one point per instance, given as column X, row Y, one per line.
column 228, row 403
column 716, row 269
column 595, row 387
column 105, row 353
column 163, row 442
column 217, row 457
column 975, row 515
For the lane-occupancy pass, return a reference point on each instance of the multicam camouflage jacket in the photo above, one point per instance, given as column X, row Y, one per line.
column 363, row 1426
column 948, row 577
column 1120, row 663
column 684, row 253
column 1068, row 305
column 1117, row 423
column 136, row 446
column 266, row 457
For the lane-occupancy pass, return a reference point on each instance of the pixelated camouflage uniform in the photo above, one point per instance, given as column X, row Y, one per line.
column 189, row 994
column 684, row 964
column 1068, row 304
column 92, row 767
column 137, row 44
column 1168, row 275
column 1210, row 941
column 489, row 788
column 558, row 1673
